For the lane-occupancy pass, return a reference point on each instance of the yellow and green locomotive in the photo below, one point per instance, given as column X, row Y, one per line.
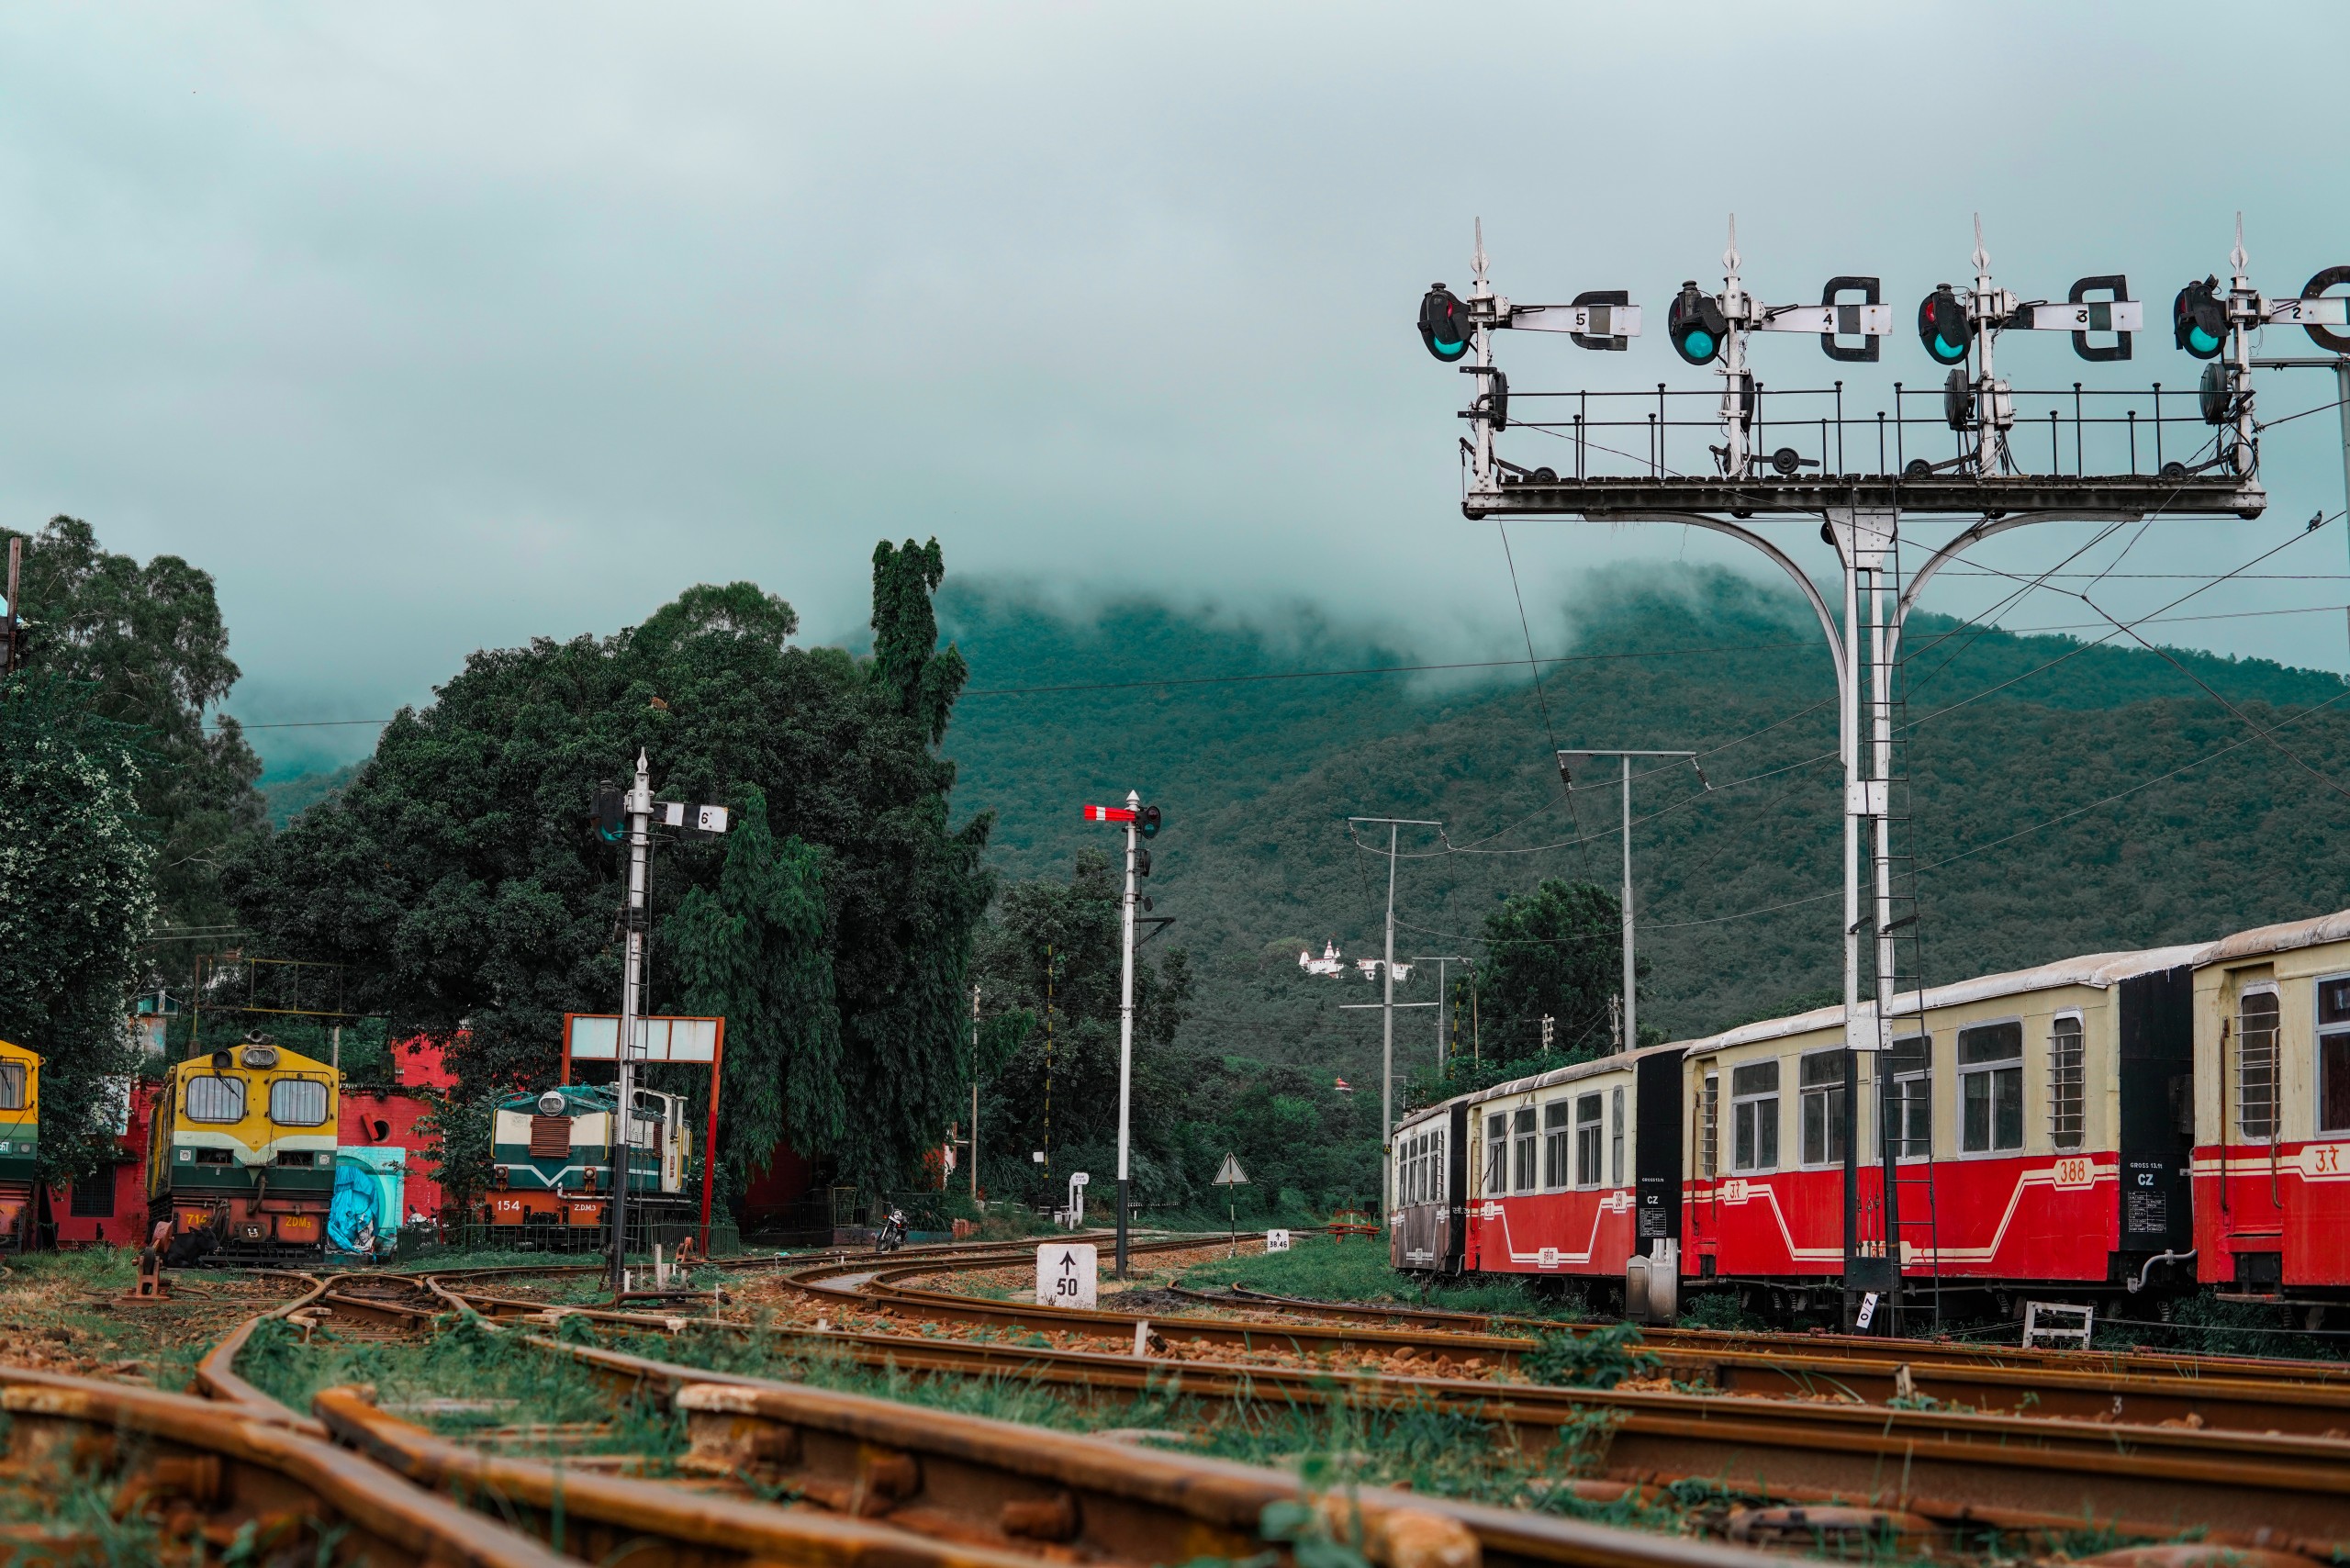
column 241, row 1156
column 19, row 1145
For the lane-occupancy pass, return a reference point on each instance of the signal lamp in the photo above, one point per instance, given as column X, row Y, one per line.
column 1942, row 325
column 2212, row 397
column 2198, row 319
column 1142, row 862
column 1147, row 822
column 1696, row 325
column 1445, row 325
column 1958, row 401
column 607, row 817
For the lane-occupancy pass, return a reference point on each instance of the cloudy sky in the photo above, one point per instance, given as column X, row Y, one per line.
column 426, row 328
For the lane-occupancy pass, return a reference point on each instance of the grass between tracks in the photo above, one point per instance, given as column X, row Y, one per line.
column 1355, row 1269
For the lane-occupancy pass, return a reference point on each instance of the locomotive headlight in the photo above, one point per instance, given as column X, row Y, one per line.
column 262, row 1057
column 550, row 1102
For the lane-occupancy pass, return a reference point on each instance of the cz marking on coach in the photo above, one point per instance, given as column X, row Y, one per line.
column 552, row 1186
column 241, row 1156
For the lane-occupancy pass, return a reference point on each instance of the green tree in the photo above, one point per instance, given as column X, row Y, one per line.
column 76, row 899
column 150, row 649
column 1556, row 952
column 1053, row 954
column 455, row 877
column 756, row 951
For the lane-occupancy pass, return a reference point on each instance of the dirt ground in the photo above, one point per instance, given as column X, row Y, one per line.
column 64, row 1311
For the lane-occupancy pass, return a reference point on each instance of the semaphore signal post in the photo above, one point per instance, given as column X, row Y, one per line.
column 1973, row 446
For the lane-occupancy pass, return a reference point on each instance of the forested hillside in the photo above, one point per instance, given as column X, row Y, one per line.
column 1736, row 886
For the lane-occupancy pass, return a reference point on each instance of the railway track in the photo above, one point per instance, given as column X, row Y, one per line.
column 1896, row 1470
column 879, row 1485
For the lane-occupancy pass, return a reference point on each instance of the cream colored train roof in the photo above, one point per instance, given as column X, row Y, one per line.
column 2284, row 938
column 2102, row 970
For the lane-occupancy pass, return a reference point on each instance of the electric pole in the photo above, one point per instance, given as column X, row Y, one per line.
column 1387, row 1005
column 974, row 1096
column 1440, row 960
column 1568, row 760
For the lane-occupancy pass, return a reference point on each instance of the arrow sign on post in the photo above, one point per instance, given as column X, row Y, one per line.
column 1067, row 1274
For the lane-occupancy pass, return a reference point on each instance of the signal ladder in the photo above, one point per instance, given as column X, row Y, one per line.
column 1908, row 1200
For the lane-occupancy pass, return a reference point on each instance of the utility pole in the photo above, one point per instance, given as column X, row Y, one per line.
column 974, row 1096
column 639, row 810
column 1440, row 960
column 8, row 659
column 1126, row 1014
column 1567, row 762
column 1387, row 1011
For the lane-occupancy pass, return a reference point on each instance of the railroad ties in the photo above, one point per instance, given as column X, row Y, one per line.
column 1810, row 1439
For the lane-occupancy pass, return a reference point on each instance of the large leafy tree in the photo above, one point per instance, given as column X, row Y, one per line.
column 1555, row 951
column 150, row 649
column 454, row 875
column 76, row 899
column 1050, row 963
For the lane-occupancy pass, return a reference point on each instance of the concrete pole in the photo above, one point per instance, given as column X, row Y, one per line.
column 1387, row 1043
column 639, row 807
column 1631, row 1026
column 975, row 1096
column 1126, row 1025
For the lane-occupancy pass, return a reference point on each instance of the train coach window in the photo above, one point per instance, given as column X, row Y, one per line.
column 1554, row 1144
column 1710, row 1140
column 213, row 1099
column 2256, row 1064
column 1754, row 1116
column 1497, row 1153
column 1522, row 1177
column 298, row 1103
column 2067, row 1083
column 1823, row 1108
column 1616, row 1143
column 2333, row 1055
column 1589, row 1130
column 1990, row 1087
column 12, row 1086
column 1912, row 1097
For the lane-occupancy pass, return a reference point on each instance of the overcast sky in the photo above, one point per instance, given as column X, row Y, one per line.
column 431, row 327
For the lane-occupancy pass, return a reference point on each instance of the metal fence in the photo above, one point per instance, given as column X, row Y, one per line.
column 2151, row 430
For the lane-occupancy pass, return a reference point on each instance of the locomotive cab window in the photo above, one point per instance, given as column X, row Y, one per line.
column 2256, row 1064
column 1588, row 1132
column 1990, row 1088
column 1522, row 1177
column 298, row 1103
column 211, row 1099
column 1823, row 1108
column 1554, row 1144
column 1754, row 1116
column 2067, row 1081
column 1911, row 1097
column 2333, row 1055
column 12, row 1087
column 1497, row 1153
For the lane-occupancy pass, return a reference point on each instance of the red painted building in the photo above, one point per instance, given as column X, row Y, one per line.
column 390, row 1115
column 109, row 1204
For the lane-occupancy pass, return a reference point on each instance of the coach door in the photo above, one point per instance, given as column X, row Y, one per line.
column 2157, row 1132
column 1656, row 1151
column 1454, row 1232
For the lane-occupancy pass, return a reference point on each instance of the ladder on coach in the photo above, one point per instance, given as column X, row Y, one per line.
column 1900, row 977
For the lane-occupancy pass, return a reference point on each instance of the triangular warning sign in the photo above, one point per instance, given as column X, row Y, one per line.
column 1230, row 1174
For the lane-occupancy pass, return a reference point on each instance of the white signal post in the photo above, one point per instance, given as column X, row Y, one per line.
column 1126, row 1017
column 639, row 807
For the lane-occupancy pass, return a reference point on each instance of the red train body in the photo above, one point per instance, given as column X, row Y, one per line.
column 2095, row 1128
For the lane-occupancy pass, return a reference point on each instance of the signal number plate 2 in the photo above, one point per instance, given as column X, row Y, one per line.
column 2323, row 1160
column 2076, row 1172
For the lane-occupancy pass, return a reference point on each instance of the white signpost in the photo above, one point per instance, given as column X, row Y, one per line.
column 1067, row 1274
column 1277, row 1241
